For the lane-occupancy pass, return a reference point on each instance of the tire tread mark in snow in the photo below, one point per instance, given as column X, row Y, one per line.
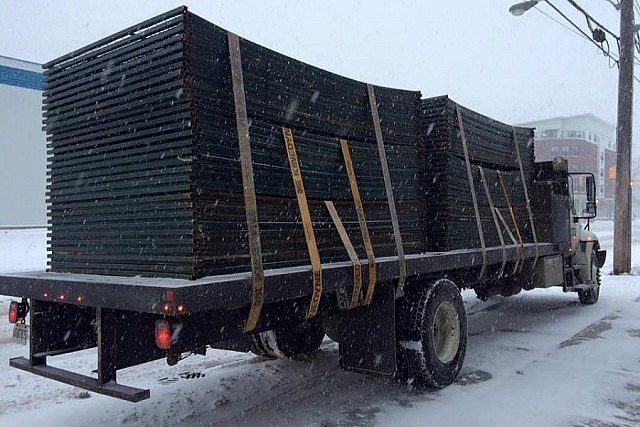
column 280, row 394
column 592, row 331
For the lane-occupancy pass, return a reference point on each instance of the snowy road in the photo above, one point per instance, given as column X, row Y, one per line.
column 538, row 358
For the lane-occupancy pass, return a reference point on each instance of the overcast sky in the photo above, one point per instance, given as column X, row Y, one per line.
column 515, row 69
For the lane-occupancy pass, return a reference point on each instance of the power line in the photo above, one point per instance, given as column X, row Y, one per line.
column 579, row 31
column 557, row 21
column 573, row 24
column 591, row 18
column 614, row 4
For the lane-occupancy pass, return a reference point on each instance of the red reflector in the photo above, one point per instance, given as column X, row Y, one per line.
column 13, row 312
column 163, row 334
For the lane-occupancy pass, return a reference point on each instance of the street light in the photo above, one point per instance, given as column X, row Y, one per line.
column 520, row 8
column 622, row 225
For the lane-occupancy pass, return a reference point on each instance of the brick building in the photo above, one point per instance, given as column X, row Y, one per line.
column 588, row 143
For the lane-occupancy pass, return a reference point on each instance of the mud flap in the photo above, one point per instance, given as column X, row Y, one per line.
column 368, row 335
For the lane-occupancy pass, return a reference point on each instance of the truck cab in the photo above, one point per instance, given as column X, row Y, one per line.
column 568, row 200
column 586, row 256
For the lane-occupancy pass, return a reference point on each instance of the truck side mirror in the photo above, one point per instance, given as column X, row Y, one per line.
column 591, row 189
column 590, row 209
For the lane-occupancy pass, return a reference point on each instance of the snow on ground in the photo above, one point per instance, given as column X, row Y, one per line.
column 538, row 358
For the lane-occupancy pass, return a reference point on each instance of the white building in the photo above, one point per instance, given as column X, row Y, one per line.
column 584, row 126
column 22, row 144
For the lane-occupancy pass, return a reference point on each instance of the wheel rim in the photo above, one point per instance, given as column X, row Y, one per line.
column 446, row 332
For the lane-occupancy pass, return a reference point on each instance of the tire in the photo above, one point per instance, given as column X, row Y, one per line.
column 289, row 342
column 591, row 296
column 509, row 291
column 431, row 328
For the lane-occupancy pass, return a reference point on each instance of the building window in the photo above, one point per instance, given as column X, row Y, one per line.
column 575, row 134
column 550, row 133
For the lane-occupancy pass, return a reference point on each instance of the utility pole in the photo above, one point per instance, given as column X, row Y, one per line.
column 622, row 226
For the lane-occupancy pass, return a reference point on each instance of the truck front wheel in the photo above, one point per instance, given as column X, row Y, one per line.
column 288, row 342
column 591, row 296
column 431, row 330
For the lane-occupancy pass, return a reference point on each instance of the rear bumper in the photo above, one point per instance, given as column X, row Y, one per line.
column 110, row 388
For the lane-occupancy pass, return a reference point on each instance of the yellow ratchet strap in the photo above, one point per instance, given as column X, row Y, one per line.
column 357, row 268
column 364, row 230
column 309, row 235
column 526, row 196
column 495, row 219
column 520, row 259
column 251, row 210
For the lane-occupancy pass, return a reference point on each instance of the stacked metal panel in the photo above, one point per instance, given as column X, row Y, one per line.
column 144, row 174
column 490, row 146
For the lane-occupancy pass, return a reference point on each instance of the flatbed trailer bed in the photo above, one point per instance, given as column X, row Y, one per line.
column 232, row 291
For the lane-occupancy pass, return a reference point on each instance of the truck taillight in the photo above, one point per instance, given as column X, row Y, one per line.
column 163, row 334
column 18, row 311
column 13, row 312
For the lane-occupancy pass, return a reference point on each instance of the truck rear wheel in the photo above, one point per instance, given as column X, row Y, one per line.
column 288, row 342
column 431, row 329
column 591, row 296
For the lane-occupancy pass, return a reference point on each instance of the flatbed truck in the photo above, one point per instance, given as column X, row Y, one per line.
column 415, row 332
